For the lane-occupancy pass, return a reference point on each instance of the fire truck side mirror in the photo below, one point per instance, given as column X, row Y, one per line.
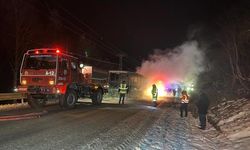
column 73, row 66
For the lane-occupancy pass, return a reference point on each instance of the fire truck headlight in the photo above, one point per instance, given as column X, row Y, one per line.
column 15, row 89
column 24, row 82
column 51, row 82
column 81, row 65
column 58, row 91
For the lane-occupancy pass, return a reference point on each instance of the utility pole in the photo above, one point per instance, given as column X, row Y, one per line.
column 120, row 60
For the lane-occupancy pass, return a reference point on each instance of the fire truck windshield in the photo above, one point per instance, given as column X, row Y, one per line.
column 39, row 62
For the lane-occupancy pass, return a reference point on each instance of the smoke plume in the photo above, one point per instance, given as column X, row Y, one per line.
column 181, row 64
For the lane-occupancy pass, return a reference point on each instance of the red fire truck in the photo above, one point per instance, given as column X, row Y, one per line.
column 51, row 74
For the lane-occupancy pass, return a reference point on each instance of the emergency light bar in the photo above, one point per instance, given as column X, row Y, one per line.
column 43, row 51
column 40, row 51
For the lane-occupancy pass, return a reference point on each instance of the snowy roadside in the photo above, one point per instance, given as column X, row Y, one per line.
column 171, row 132
column 7, row 107
column 20, row 106
column 232, row 119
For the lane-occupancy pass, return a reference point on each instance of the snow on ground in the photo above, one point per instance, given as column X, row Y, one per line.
column 171, row 132
column 7, row 107
column 232, row 119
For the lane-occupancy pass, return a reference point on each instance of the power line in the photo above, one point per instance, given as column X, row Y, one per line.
column 73, row 30
column 76, row 29
column 117, row 49
column 90, row 28
column 93, row 39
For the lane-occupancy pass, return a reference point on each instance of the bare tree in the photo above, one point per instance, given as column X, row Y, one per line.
column 19, row 12
column 235, row 42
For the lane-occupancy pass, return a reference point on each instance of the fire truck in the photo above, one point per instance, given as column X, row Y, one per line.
column 48, row 73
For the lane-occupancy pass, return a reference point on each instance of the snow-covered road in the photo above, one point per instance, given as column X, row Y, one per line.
column 135, row 125
column 171, row 132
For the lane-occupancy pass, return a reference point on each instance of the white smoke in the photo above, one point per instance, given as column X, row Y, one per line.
column 181, row 64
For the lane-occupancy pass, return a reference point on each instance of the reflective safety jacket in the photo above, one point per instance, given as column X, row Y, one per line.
column 184, row 99
column 154, row 94
column 123, row 89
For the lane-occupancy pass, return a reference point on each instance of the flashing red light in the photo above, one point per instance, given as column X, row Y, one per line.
column 57, row 51
column 37, row 52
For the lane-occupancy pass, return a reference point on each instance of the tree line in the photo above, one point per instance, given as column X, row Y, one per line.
column 27, row 24
column 227, row 73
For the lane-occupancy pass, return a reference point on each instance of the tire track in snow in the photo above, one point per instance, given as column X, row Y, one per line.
column 167, row 133
column 171, row 132
column 126, row 134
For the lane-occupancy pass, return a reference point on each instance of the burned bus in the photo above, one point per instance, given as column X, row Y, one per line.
column 132, row 79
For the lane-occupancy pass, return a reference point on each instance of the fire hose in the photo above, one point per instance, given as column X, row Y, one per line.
column 23, row 116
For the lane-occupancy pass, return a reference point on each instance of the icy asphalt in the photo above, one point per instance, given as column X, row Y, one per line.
column 135, row 125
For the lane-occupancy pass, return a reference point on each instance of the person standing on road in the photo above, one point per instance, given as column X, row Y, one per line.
column 202, row 105
column 174, row 92
column 123, row 90
column 154, row 94
column 184, row 103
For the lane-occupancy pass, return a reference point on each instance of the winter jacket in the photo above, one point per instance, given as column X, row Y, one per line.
column 185, row 99
column 203, row 104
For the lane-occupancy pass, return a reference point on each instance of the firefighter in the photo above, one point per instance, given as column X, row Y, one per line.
column 123, row 90
column 154, row 94
column 184, row 103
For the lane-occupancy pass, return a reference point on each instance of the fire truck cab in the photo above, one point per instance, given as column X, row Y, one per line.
column 51, row 74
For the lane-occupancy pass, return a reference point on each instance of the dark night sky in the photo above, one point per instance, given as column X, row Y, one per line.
column 138, row 27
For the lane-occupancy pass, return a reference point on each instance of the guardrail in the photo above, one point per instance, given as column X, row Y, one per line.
column 12, row 96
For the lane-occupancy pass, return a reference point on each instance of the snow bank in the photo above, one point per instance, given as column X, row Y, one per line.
column 171, row 132
column 17, row 106
column 232, row 119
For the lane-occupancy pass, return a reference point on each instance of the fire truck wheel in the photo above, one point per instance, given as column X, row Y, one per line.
column 70, row 99
column 97, row 97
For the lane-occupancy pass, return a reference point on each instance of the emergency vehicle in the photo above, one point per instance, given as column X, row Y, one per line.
column 49, row 73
